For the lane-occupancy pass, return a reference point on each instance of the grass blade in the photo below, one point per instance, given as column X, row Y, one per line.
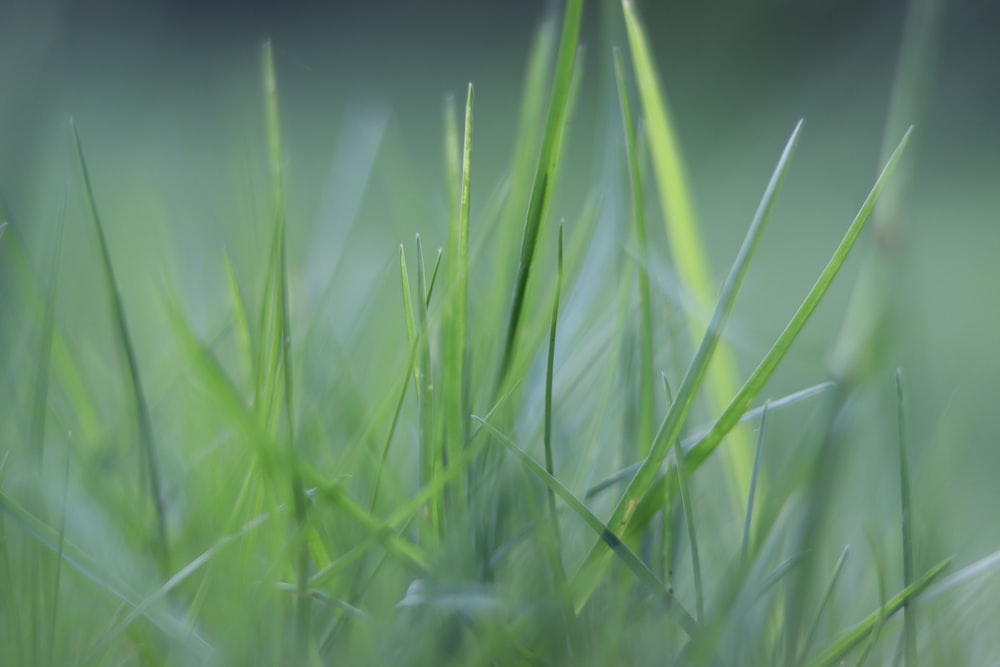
column 282, row 328
column 545, row 168
column 686, row 246
column 685, row 491
column 693, row 441
column 607, row 535
column 644, row 432
column 862, row 630
column 745, row 550
column 146, row 443
column 670, row 428
column 909, row 612
column 825, row 600
column 455, row 393
column 766, row 368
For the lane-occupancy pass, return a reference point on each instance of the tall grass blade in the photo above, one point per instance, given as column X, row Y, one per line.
column 146, row 443
column 455, row 392
column 769, row 364
column 283, row 335
column 686, row 247
column 671, row 426
column 545, row 168
column 909, row 611
column 549, row 367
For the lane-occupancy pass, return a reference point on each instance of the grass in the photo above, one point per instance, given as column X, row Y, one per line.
column 490, row 477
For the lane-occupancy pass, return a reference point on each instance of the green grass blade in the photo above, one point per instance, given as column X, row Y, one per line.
column 455, row 393
column 644, row 432
column 834, row 654
column 544, row 172
column 284, row 338
column 761, row 430
column 244, row 337
column 692, row 442
column 671, row 426
column 143, row 606
column 766, row 368
column 606, row 534
column 146, row 442
column 425, row 392
column 560, row 572
column 686, row 247
column 685, row 491
column 825, row 599
column 909, row 611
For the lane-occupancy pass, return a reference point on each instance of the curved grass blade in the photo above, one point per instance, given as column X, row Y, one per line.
column 766, row 368
column 547, row 436
column 607, row 536
column 834, row 654
column 671, row 426
column 686, row 246
column 146, row 443
column 545, row 168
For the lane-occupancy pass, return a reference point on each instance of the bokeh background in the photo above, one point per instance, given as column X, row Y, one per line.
column 166, row 98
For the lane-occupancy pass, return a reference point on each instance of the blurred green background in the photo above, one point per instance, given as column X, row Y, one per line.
column 166, row 98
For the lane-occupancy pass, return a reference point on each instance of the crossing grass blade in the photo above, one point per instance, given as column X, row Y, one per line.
column 693, row 441
column 853, row 638
column 671, row 426
column 146, row 443
column 604, row 531
column 769, row 364
column 686, row 246
column 545, row 168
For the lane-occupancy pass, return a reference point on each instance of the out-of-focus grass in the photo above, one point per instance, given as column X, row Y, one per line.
column 407, row 505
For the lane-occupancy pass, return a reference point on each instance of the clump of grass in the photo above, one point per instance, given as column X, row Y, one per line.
column 425, row 530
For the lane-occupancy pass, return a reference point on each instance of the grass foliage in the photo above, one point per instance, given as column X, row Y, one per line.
column 504, row 485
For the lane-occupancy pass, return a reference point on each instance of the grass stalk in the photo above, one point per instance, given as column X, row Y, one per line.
column 146, row 442
column 909, row 611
